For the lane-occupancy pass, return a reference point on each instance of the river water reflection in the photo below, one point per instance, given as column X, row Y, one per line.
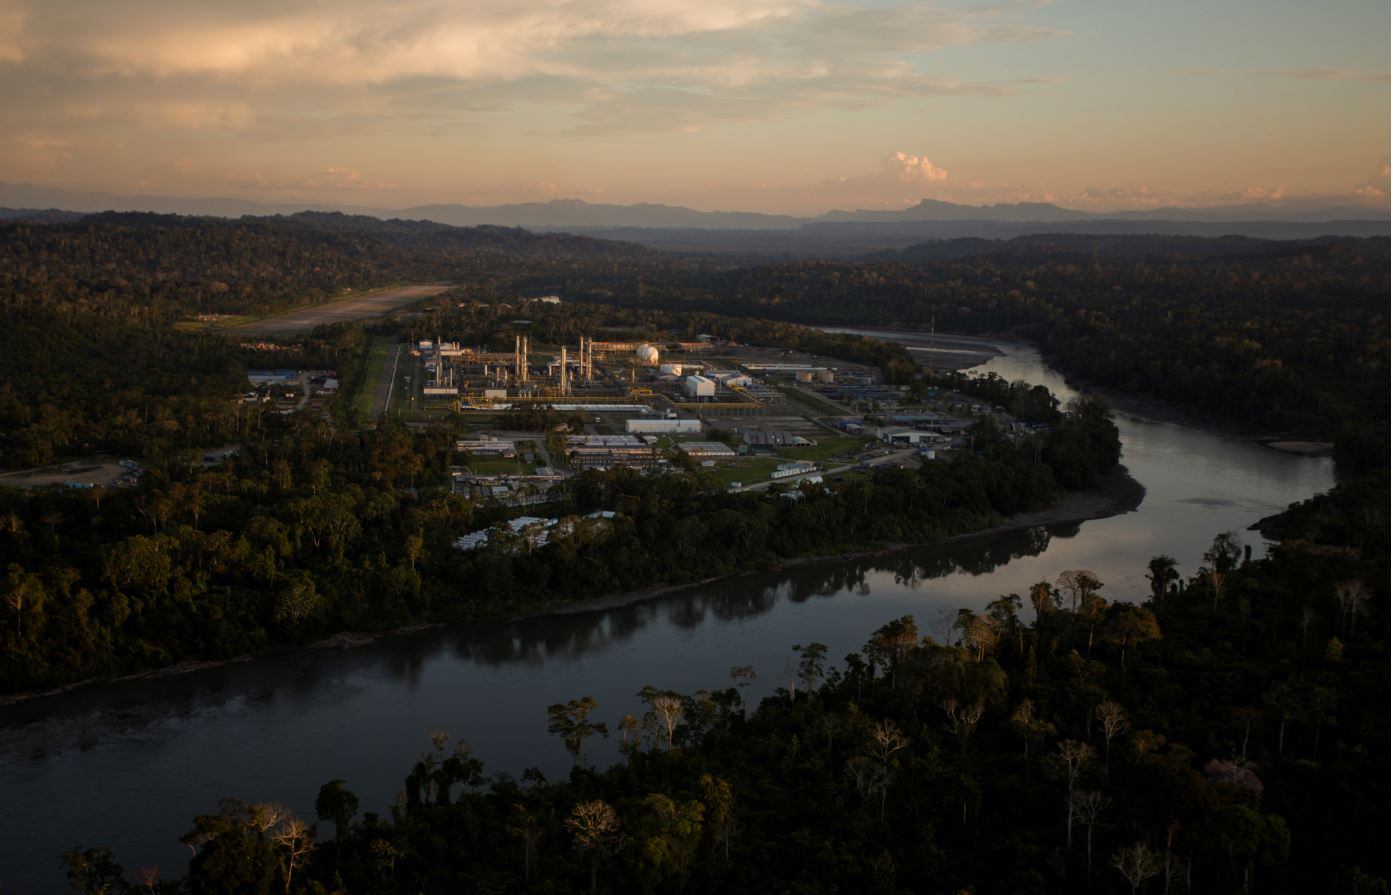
column 128, row 765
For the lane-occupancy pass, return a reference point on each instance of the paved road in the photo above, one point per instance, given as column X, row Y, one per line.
column 895, row 457
column 361, row 308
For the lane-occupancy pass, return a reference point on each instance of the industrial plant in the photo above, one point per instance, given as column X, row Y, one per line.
column 539, row 413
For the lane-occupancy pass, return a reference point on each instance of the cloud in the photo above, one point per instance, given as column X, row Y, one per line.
column 1325, row 74
column 199, row 116
column 717, row 61
column 333, row 179
column 11, row 35
column 1116, row 198
column 912, row 169
column 903, row 179
column 665, row 109
column 1374, row 190
column 1255, row 194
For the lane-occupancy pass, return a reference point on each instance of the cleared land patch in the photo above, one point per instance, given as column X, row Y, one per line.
column 360, row 307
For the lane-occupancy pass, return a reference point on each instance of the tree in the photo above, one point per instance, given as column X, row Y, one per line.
column 1091, row 805
column 672, row 834
column 595, row 825
column 1161, row 572
column 1091, row 610
column 963, row 718
column 1137, row 863
column 1352, row 597
column 1077, row 584
column 1043, row 599
column 1127, row 626
column 1224, row 552
column 297, row 838
column 22, row 590
column 1247, row 837
column 1028, row 726
column 811, row 659
column 1114, row 722
column 628, row 735
column 980, row 632
column 526, row 827
column 93, row 872
column 665, row 708
column 892, row 642
column 297, row 601
column 232, row 853
column 1004, row 612
column 719, row 800
column 874, row 768
column 1222, row 557
column 337, row 803
column 569, row 720
column 1071, row 758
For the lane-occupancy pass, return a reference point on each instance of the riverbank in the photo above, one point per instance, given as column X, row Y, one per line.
column 961, row 352
column 1116, row 493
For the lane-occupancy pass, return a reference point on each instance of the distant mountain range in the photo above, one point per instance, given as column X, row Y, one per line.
column 836, row 233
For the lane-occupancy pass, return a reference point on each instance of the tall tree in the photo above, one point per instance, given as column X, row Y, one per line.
column 595, row 825
column 570, row 721
column 1161, row 572
column 1137, row 863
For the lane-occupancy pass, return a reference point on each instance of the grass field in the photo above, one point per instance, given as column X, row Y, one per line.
column 825, row 448
column 404, row 388
column 380, row 353
column 746, row 470
column 816, row 402
column 499, row 466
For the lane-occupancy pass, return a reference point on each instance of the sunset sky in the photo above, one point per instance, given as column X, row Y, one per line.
column 766, row 105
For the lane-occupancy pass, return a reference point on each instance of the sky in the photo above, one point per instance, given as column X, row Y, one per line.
column 791, row 106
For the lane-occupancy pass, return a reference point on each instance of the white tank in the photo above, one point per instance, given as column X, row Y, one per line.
column 647, row 356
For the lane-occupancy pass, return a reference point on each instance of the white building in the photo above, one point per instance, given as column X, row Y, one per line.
column 797, row 467
column 700, row 387
column 905, row 435
column 705, row 449
column 661, row 426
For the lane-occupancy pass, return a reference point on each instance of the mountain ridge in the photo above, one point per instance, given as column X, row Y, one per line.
column 571, row 213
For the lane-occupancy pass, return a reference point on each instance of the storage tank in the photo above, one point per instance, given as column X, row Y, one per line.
column 647, row 356
column 670, row 369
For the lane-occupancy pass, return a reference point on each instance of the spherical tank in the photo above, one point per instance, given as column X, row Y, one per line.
column 647, row 356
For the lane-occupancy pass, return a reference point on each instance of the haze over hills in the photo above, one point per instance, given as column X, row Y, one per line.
column 580, row 213
column 837, row 233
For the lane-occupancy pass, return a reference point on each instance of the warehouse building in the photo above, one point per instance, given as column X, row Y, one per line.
column 700, row 387
column 662, row 426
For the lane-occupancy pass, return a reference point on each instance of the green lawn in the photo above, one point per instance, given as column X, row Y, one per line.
column 380, row 353
column 830, row 446
column 498, row 466
column 746, row 470
column 406, row 386
column 816, row 402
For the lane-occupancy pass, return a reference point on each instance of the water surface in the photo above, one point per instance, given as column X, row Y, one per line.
column 129, row 764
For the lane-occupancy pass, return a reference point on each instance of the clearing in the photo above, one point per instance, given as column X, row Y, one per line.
column 357, row 307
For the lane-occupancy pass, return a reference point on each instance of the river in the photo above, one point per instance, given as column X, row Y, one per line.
column 128, row 764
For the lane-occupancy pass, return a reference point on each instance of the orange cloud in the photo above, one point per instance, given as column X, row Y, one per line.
column 912, row 168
